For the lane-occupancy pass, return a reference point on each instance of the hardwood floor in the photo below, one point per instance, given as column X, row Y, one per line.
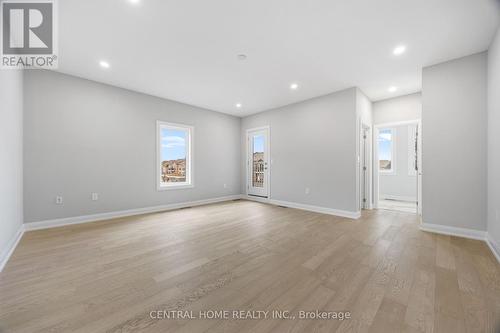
column 108, row 276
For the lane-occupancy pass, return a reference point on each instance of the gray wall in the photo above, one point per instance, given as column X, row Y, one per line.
column 82, row 137
column 11, row 157
column 494, row 139
column 400, row 184
column 364, row 108
column 454, row 142
column 403, row 108
column 313, row 145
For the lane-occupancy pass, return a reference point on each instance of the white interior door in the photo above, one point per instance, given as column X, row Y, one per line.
column 258, row 162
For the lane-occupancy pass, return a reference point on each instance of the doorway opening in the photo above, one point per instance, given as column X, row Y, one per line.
column 258, row 179
column 397, row 181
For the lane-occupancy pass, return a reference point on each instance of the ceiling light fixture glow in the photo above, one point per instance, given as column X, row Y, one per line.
column 104, row 64
column 399, row 50
column 135, row 2
column 392, row 89
column 294, row 86
column 238, row 105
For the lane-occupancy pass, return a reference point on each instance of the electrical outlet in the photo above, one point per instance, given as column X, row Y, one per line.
column 225, row 185
column 95, row 196
column 59, row 200
column 307, row 190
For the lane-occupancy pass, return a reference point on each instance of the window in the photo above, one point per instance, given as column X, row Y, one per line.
column 386, row 158
column 174, row 155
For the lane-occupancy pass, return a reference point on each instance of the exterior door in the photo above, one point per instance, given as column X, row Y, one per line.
column 258, row 162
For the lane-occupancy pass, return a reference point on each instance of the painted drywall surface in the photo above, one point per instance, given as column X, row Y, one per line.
column 11, row 156
column 494, row 139
column 83, row 137
column 403, row 108
column 399, row 184
column 313, row 145
column 364, row 108
column 454, row 142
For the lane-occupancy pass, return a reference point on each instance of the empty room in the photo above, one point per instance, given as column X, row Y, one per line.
column 249, row 166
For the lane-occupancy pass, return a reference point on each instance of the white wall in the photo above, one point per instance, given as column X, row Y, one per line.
column 11, row 159
column 454, row 142
column 82, row 137
column 403, row 108
column 313, row 145
column 399, row 185
column 364, row 108
column 494, row 140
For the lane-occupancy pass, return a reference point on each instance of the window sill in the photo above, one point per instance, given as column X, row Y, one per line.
column 174, row 187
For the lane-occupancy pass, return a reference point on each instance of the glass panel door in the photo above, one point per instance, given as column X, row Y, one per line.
column 258, row 177
column 258, row 161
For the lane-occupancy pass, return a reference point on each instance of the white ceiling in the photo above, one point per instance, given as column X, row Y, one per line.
column 186, row 50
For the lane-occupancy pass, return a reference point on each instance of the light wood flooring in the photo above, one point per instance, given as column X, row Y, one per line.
column 242, row 255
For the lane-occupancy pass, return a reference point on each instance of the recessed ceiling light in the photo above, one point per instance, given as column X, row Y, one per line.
column 104, row 64
column 294, row 86
column 242, row 56
column 135, row 2
column 399, row 50
column 392, row 89
column 238, row 105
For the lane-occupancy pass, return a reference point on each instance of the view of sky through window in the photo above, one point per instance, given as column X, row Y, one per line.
column 258, row 144
column 173, row 144
column 384, row 145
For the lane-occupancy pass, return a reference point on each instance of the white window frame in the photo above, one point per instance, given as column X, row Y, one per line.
column 391, row 172
column 189, row 183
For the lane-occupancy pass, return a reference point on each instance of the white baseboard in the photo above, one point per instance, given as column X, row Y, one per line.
column 123, row 213
column 465, row 233
column 11, row 246
column 435, row 228
column 453, row 231
column 494, row 246
column 316, row 209
column 398, row 197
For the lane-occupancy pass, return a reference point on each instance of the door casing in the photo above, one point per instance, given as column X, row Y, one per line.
column 365, row 167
